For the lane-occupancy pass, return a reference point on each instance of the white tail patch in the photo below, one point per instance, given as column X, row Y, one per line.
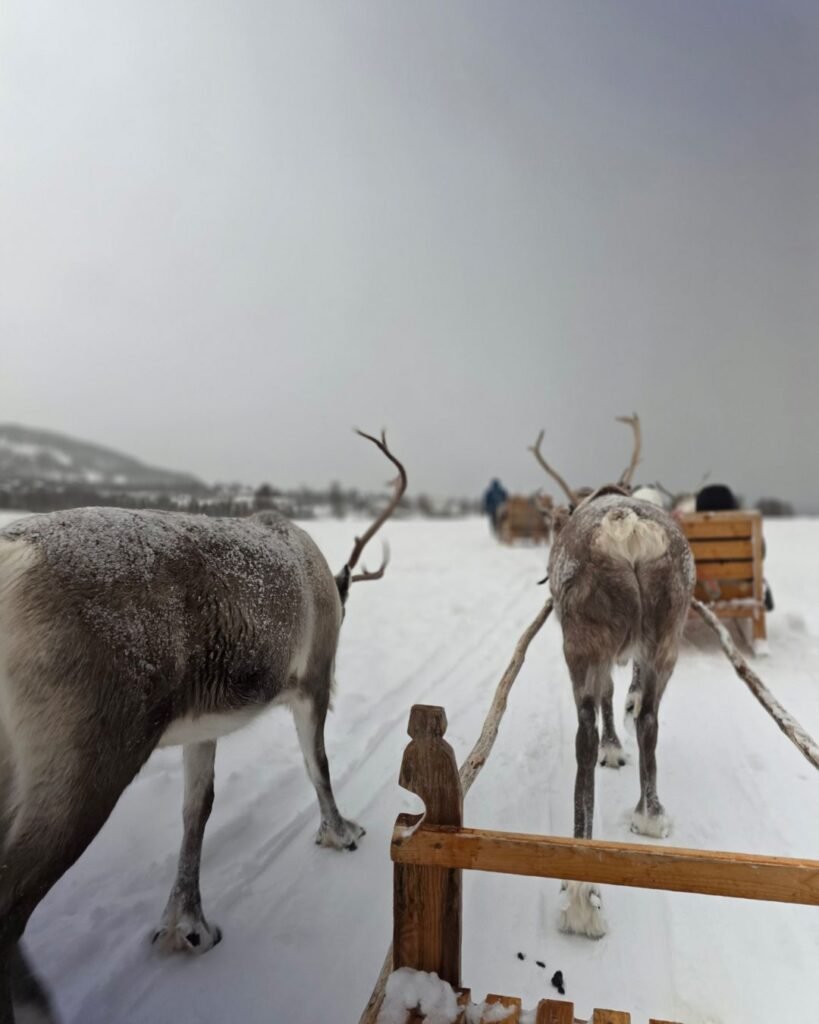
column 623, row 534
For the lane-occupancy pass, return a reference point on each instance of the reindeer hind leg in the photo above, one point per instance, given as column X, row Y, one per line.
column 183, row 927
column 310, row 713
column 581, row 913
column 649, row 817
column 611, row 750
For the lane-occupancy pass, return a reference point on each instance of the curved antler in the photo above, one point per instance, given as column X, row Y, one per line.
column 361, row 542
column 379, row 572
column 634, row 422
column 535, row 450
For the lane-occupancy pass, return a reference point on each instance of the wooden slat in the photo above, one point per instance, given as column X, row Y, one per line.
column 610, row 1017
column 722, row 550
column 702, row 529
column 745, row 876
column 725, row 570
column 728, row 611
column 760, row 632
column 511, row 1002
column 554, row 1011
column 729, row 591
column 464, row 999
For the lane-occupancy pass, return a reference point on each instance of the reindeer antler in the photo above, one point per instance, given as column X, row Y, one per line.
column 535, row 450
column 400, row 484
column 632, row 421
column 379, row 572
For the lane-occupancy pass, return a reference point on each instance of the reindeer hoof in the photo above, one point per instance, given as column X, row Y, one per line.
column 344, row 838
column 658, row 825
column 186, row 933
column 612, row 756
column 582, row 910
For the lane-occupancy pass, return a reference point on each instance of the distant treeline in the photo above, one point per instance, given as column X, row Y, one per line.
column 773, row 507
column 231, row 500
column 237, row 500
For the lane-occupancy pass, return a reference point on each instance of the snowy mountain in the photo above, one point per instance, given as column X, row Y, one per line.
column 31, row 455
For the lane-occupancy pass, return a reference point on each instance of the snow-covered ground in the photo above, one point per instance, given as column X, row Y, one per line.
column 305, row 929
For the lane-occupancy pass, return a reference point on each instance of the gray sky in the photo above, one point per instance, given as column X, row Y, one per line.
column 230, row 231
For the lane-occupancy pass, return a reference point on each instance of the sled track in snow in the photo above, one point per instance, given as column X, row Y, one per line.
column 474, row 645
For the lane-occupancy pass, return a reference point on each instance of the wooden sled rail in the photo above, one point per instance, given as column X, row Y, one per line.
column 738, row 875
column 430, row 852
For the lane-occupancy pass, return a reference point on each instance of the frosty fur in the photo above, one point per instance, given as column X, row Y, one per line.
column 121, row 631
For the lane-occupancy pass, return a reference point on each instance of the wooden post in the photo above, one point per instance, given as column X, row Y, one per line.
column 427, row 907
column 760, row 633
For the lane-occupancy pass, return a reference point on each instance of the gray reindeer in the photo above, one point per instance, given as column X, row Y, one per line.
column 621, row 574
column 124, row 631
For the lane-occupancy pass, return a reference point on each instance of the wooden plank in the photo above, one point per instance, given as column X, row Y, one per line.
column 722, row 550
column 725, row 570
column 728, row 591
column 706, row 528
column 512, row 1002
column 744, row 876
column 610, row 1017
column 726, row 610
column 654, row 1020
column 554, row 1011
column 760, row 632
column 731, row 513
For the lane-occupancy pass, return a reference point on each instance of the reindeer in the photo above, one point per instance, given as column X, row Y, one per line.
column 124, row 631
column 621, row 574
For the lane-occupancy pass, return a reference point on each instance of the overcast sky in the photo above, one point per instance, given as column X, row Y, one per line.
column 231, row 231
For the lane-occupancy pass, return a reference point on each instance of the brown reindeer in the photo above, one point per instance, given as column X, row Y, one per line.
column 123, row 631
column 621, row 575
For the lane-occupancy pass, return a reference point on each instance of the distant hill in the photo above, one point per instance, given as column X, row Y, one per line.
column 28, row 455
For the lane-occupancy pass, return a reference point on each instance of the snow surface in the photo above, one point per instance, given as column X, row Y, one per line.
column 407, row 990
column 306, row 929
